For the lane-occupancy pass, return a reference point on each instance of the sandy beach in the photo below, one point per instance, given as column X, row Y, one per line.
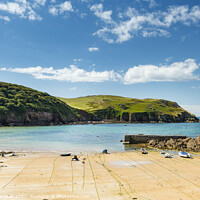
column 121, row 175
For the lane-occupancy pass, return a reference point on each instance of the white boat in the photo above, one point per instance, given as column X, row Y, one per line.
column 165, row 154
column 184, row 154
column 143, row 150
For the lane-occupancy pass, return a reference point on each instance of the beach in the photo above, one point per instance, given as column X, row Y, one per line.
column 118, row 175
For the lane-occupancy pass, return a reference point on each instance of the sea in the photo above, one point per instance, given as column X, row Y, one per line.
column 85, row 138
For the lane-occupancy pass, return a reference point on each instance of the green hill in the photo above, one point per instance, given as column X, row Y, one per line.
column 131, row 109
column 20, row 105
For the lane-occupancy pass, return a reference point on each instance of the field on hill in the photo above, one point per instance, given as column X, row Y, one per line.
column 124, row 104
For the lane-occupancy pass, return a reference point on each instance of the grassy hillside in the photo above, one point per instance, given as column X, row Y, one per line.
column 131, row 110
column 124, row 104
column 16, row 101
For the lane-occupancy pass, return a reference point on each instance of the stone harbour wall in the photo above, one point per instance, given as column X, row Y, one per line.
column 140, row 138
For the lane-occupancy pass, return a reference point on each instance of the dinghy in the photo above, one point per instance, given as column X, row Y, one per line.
column 165, row 154
column 143, row 150
column 184, row 154
column 66, row 154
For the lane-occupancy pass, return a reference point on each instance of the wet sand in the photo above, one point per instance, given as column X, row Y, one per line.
column 122, row 175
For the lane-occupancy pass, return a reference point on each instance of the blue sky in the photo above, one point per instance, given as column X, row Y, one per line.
column 140, row 49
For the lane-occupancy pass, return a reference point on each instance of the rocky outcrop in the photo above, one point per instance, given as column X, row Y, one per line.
column 187, row 144
column 154, row 117
column 35, row 118
column 106, row 114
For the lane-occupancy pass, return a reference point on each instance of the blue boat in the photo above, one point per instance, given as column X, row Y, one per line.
column 184, row 154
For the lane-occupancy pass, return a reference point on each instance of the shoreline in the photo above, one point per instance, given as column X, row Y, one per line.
column 93, row 123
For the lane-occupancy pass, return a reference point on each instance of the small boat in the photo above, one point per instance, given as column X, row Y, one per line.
column 143, row 150
column 66, row 154
column 184, row 154
column 162, row 152
column 105, row 151
column 165, row 154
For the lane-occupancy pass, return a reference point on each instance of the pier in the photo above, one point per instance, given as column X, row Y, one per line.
column 140, row 138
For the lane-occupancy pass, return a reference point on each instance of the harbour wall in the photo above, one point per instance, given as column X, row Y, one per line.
column 140, row 138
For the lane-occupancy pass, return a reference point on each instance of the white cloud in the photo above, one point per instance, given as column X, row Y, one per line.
column 178, row 71
column 66, row 6
column 5, row 18
column 146, row 24
column 155, row 33
column 152, row 3
column 71, row 74
column 104, row 15
column 194, row 109
column 181, row 14
column 93, row 49
column 53, row 11
column 22, row 8
column 168, row 59
column 61, row 8
column 40, row 2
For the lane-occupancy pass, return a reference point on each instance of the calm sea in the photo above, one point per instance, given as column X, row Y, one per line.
column 84, row 138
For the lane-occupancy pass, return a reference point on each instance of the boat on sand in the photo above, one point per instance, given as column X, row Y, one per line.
column 165, row 154
column 184, row 154
column 144, row 151
column 66, row 154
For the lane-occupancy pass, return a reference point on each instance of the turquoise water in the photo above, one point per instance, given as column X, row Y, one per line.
column 84, row 138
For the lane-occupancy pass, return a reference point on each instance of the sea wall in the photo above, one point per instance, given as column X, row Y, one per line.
column 138, row 139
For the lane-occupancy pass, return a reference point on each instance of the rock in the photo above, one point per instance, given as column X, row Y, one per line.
column 198, row 140
column 170, row 142
column 186, row 139
column 152, row 143
column 161, row 145
column 192, row 145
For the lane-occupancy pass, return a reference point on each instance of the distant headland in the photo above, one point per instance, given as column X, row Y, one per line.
column 23, row 106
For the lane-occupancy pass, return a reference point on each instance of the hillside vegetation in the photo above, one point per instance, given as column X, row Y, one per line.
column 121, row 104
column 22, row 105
column 131, row 109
